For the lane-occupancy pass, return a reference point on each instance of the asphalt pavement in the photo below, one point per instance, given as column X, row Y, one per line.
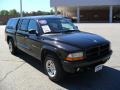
column 23, row 72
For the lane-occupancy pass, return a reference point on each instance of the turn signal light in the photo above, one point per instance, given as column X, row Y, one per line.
column 75, row 59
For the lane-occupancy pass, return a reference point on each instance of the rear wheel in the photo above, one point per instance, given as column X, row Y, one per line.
column 12, row 47
column 53, row 68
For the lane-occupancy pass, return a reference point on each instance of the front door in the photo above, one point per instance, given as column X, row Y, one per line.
column 33, row 41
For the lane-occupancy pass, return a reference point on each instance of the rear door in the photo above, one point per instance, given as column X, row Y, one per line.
column 22, row 34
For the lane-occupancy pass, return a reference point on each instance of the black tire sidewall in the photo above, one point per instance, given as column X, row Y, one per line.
column 59, row 70
column 13, row 47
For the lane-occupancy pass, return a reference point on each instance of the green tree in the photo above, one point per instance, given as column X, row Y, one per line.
column 39, row 12
column 13, row 13
column 4, row 13
column 52, row 12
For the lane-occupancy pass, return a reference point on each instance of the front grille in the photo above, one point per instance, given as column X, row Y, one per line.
column 97, row 51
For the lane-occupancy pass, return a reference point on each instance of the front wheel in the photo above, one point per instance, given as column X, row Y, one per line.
column 53, row 68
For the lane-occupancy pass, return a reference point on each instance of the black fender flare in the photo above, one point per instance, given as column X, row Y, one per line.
column 52, row 49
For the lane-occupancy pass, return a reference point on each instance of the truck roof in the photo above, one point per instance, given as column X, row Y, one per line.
column 40, row 17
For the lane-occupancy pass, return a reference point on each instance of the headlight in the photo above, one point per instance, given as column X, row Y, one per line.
column 75, row 56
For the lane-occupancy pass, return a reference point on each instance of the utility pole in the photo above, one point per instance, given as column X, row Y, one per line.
column 21, row 13
column 55, row 11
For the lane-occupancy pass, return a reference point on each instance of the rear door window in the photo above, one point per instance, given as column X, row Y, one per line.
column 24, row 25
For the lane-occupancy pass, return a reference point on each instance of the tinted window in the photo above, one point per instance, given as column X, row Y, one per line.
column 19, row 23
column 24, row 24
column 57, row 25
column 12, row 23
column 32, row 25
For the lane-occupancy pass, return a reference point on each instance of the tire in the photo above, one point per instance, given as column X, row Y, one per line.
column 12, row 47
column 55, row 73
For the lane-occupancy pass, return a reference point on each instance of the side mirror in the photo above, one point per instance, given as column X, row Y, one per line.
column 32, row 31
column 76, row 27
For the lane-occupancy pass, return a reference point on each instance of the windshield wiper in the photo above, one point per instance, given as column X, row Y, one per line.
column 62, row 31
column 51, row 32
column 69, row 30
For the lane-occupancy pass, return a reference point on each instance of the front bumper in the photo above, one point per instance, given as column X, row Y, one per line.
column 72, row 67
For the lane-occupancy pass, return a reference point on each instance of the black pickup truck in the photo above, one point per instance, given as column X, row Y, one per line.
column 58, row 44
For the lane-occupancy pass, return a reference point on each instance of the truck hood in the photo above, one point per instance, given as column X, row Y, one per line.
column 78, row 39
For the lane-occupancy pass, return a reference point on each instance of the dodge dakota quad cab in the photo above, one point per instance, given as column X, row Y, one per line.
column 58, row 44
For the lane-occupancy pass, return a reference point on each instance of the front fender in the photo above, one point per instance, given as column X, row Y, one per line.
column 60, row 53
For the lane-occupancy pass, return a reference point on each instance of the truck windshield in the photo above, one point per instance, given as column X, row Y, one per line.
column 57, row 25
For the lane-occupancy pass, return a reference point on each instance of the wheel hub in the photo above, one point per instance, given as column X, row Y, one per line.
column 50, row 67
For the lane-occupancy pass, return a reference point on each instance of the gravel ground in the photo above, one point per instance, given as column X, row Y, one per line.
column 22, row 72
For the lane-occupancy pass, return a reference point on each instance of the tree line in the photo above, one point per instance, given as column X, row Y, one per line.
column 15, row 13
column 5, row 14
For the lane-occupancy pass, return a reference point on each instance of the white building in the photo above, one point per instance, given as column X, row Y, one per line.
column 89, row 10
